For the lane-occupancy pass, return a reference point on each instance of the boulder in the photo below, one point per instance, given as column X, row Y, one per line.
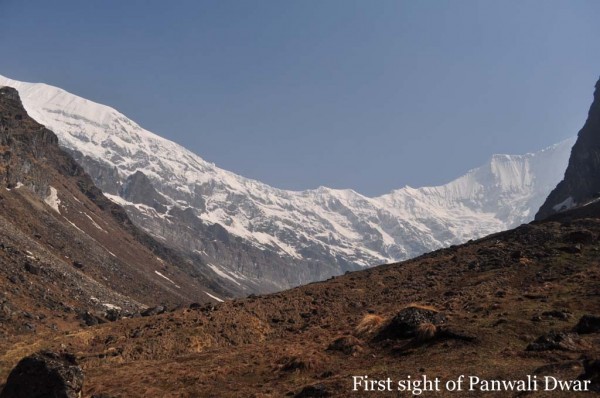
column 588, row 324
column 113, row 314
column 90, row 319
column 556, row 341
column 407, row 322
column 591, row 372
column 45, row 374
column 316, row 391
column 159, row 309
column 556, row 314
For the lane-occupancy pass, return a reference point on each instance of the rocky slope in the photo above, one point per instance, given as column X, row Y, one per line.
column 262, row 238
column 581, row 183
column 518, row 303
column 67, row 253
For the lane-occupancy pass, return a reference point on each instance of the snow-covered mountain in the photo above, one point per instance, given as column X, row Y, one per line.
column 180, row 198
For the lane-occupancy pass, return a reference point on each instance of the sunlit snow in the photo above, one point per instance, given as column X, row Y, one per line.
column 501, row 194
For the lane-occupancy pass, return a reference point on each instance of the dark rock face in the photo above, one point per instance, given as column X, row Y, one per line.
column 44, row 375
column 23, row 143
column 581, row 183
column 138, row 189
column 182, row 229
column 106, row 178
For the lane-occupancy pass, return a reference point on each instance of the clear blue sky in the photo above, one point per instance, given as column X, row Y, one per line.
column 369, row 95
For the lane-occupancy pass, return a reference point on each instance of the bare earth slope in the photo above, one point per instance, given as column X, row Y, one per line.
column 498, row 294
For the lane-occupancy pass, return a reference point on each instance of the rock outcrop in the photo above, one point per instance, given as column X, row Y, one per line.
column 138, row 189
column 45, row 374
column 581, row 184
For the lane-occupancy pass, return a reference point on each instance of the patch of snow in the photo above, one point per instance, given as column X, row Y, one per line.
column 503, row 193
column 94, row 223
column 162, row 276
column 215, row 297
column 117, row 199
column 73, row 224
column 223, row 274
column 566, row 204
column 30, row 255
column 52, row 199
column 592, row 201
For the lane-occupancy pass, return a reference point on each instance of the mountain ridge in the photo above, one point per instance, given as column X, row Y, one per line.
column 324, row 231
column 580, row 183
column 67, row 253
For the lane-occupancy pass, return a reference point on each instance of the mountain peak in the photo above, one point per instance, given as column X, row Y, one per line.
column 580, row 183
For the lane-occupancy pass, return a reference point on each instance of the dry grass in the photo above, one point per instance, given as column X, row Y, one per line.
column 426, row 331
column 302, row 361
column 368, row 325
column 191, row 353
column 422, row 307
column 346, row 344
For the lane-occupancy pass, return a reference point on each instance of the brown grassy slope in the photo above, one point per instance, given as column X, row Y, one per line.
column 496, row 289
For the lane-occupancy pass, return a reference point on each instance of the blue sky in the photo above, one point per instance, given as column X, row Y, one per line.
column 368, row 95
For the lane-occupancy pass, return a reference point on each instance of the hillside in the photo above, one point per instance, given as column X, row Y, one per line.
column 68, row 255
column 499, row 295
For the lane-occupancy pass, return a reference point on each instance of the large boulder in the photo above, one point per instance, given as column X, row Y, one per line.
column 592, row 373
column 409, row 321
column 316, row 391
column 45, row 375
column 588, row 324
